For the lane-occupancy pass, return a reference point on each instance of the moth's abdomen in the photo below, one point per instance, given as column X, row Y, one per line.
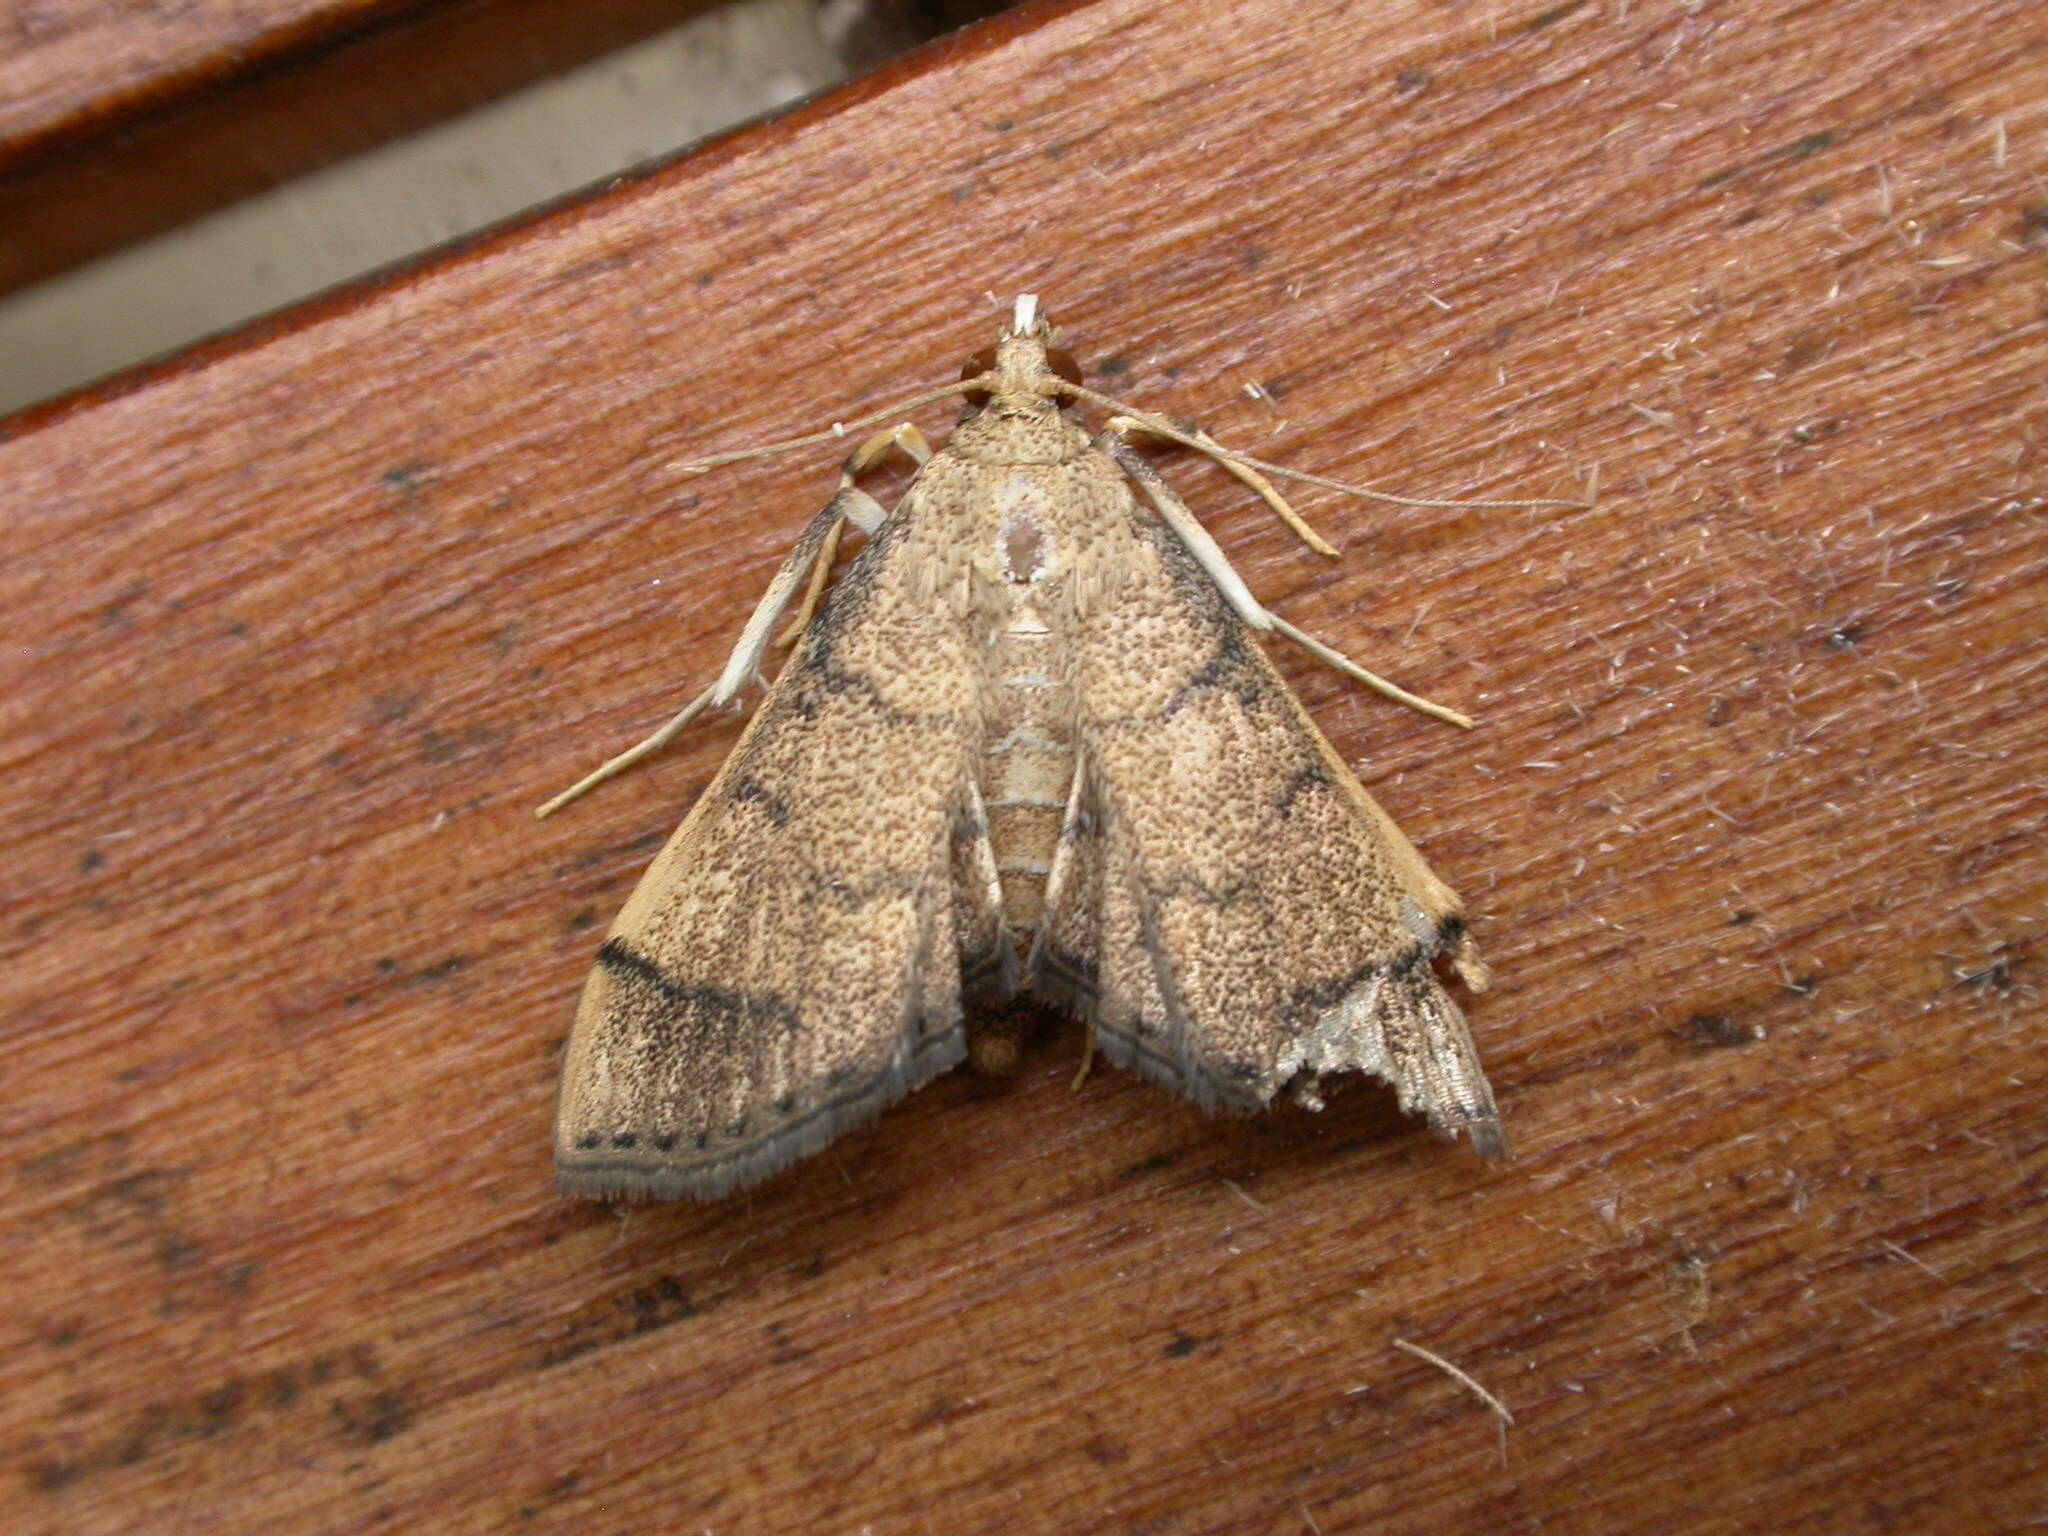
column 1027, row 762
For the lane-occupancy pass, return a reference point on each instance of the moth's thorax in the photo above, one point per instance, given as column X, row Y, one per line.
column 1026, row 539
column 1019, row 432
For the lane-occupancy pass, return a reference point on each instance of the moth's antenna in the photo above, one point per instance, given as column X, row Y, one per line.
column 838, row 429
column 1024, row 318
column 1159, row 427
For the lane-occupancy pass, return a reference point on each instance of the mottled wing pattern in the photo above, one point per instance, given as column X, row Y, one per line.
column 1231, row 911
column 793, row 959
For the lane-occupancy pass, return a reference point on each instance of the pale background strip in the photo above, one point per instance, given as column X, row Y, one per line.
column 642, row 102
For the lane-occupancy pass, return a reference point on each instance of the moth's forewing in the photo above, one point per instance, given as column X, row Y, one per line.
column 791, row 963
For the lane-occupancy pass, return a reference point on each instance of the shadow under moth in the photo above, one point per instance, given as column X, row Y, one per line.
column 1027, row 743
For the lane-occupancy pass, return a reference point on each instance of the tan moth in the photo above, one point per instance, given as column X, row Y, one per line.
column 1027, row 743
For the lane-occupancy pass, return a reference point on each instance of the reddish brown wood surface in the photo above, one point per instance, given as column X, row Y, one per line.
column 117, row 121
column 303, row 627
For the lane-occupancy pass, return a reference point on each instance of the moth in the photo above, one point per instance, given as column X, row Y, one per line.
column 1027, row 743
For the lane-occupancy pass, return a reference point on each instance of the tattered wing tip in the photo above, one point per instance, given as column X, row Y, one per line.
column 1466, row 962
column 1488, row 1140
column 1215, row 1095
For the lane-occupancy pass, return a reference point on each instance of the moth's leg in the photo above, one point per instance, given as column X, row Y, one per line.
column 1334, row 658
column 859, row 462
column 1087, row 1066
column 631, row 755
column 821, row 572
column 1125, row 426
column 847, row 504
column 1182, row 521
column 1188, row 530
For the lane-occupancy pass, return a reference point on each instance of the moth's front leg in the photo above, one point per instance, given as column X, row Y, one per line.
column 1125, row 427
column 1181, row 519
column 864, row 458
column 814, row 549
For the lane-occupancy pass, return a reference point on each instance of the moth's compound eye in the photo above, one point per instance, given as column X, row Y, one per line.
column 982, row 362
column 1063, row 364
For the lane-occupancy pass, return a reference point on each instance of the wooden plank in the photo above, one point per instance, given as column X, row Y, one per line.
column 1751, row 828
column 117, row 122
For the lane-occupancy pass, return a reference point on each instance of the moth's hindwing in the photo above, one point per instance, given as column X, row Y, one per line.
column 792, row 961
column 1236, row 914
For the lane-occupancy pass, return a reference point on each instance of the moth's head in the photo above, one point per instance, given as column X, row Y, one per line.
column 1023, row 370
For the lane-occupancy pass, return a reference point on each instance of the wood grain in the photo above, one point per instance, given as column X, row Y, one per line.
column 118, row 121
column 306, row 623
